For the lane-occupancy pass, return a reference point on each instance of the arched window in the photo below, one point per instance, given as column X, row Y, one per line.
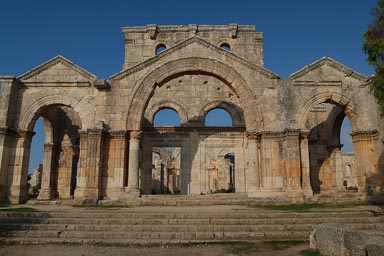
column 166, row 117
column 218, row 117
column 345, row 136
column 160, row 48
column 226, row 47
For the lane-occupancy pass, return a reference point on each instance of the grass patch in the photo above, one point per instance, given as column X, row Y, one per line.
column 241, row 248
column 301, row 207
column 375, row 213
column 19, row 209
column 282, row 245
column 310, row 252
column 4, row 243
column 3, row 205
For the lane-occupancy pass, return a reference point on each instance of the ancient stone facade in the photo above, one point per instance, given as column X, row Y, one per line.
column 284, row 140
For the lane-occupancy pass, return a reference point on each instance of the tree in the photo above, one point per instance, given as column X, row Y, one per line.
column 374, row 47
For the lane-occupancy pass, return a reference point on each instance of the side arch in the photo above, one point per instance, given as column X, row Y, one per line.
column 350, row 108
column 234, row 111
column 144, row 89
column 151, row 112
column 31, row 113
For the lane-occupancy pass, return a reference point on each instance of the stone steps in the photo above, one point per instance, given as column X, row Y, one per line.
column 126, row 226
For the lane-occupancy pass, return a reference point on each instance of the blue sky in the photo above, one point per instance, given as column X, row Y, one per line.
column 296, row 32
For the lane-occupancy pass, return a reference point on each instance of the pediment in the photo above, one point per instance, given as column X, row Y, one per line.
column 325, row 71
column 195, row 43
column 57, row 70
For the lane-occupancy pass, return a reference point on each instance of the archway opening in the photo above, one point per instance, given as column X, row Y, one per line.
column 218, row 117
column 166, row 117
column 330, row 149
column 36, row 158
column 166, row 176
column 55, row 150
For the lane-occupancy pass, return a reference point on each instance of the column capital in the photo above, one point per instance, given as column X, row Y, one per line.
column 25, row 134
column 304, row 134
column 135, row 135
column 48, row 146
column 253, row 135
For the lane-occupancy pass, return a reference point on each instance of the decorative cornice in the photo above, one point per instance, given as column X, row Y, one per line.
column 271, row 134
column 189, row 129
column 332, row 63
column 25, row 134
column 267, row 73
column 364, row 135
column 52, row 62
column 118, row 134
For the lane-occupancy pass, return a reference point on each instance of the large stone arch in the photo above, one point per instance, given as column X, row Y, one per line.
column 143, row 90
column 234, row 111
column 31, row 113
column 350, row 108
column 150, row 113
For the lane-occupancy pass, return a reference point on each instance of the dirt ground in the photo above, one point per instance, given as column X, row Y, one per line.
column 257, row 248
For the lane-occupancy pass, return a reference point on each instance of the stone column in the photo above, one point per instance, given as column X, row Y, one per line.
column 133, row 164
column 117, row 163
column 365, row 143
column 305, row 166
column 47, row 190
column 19, row 187
column 253, row 176
column 5, row 144
column 90, row 165
column 292, row 160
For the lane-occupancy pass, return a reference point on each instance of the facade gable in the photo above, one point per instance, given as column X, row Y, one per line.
column 325, row 71
column 57, row 70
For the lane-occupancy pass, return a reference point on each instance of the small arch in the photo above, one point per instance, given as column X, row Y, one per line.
column 151, row 111
column 234, row 111
column 226, row 47
column 166, row 117
column 160, row 48
column 218, row 117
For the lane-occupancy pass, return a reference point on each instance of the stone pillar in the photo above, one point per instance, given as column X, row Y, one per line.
column 292, row 163
column 90, row 165
column 47, row 190
column 366, row 158
column 19, row 187
column 305, row 166
column 253, row 177
column 133, row 164
column 117, row 163
column 64, row 172
column 338, row 168
column 5, row 144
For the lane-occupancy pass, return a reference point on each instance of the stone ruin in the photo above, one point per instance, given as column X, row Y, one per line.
column 284, row 141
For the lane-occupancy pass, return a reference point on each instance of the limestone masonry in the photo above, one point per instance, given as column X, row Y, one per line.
column 102, row 144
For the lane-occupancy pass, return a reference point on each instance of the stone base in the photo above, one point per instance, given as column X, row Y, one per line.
column 47, row 194
column 308, row 192
column 267, row 193
column 132, row 192
column 19, row 194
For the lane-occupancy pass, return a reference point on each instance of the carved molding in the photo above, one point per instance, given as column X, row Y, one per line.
column 364, row 135
column 118, row 134
column 135, row 135
column 48, row 146
column 25, row 134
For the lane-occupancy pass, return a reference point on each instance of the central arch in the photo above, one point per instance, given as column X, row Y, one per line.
column 144, row 89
